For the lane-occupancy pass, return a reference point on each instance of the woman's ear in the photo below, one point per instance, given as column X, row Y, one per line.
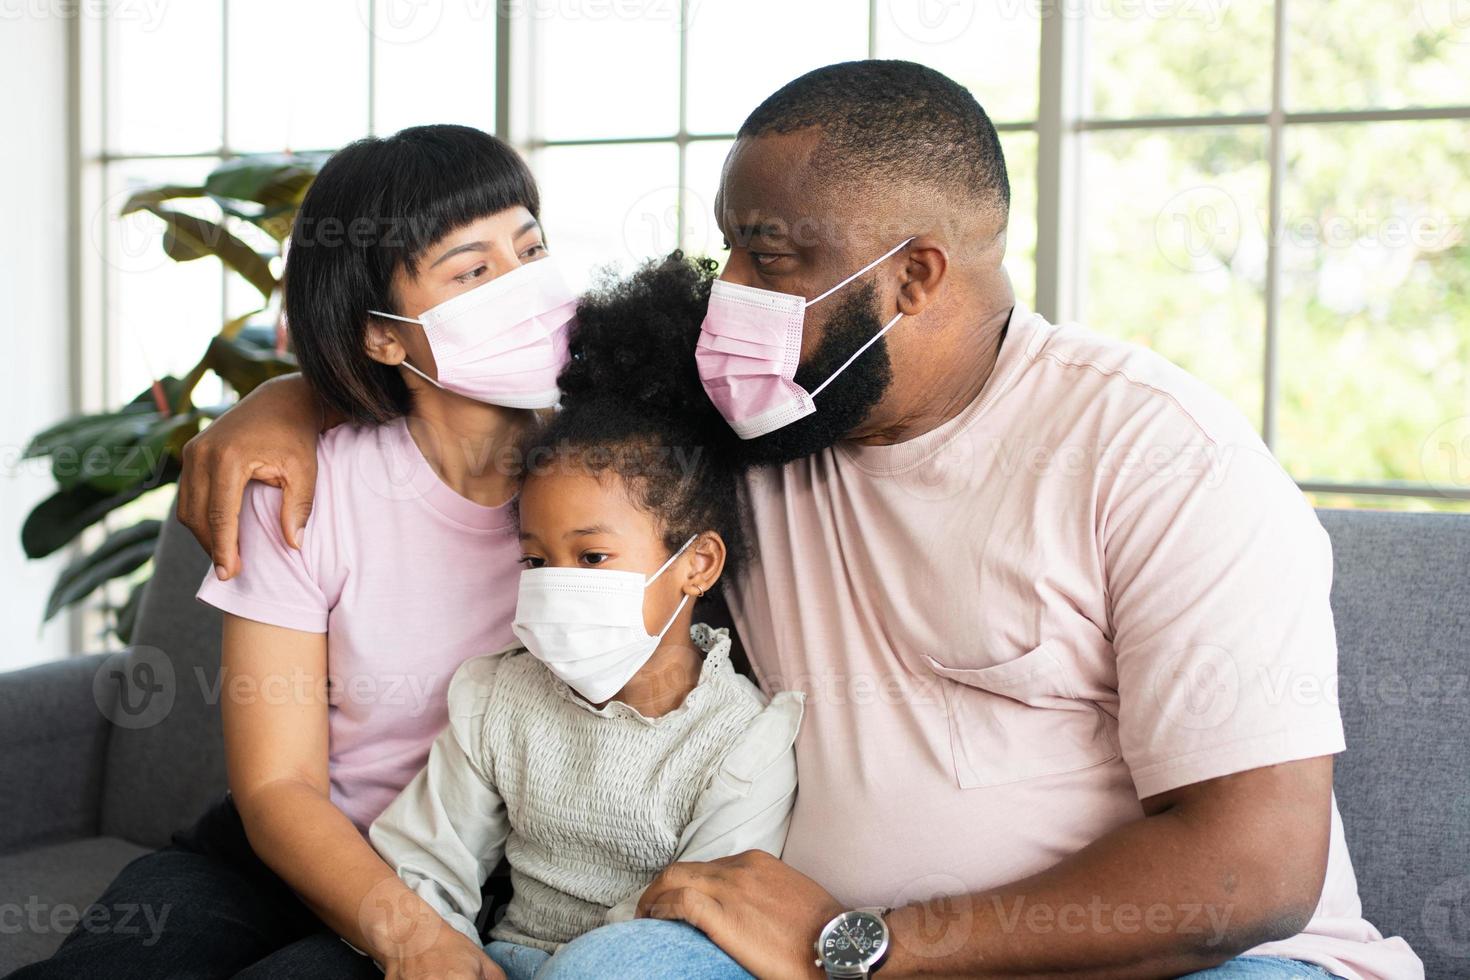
column 925, row 264
column 706, row 562
column 382, row 343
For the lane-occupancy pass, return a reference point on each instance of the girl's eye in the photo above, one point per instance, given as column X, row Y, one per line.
column 471, row 275
column 531, row 561
column 595, row 558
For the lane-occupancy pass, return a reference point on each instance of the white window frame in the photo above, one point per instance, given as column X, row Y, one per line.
column 1060, row 126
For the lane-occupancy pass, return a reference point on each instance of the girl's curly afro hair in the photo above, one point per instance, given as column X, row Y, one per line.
column 632, row 404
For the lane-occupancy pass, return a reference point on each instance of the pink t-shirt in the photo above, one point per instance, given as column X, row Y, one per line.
column 408, row 580
column 1091, row 586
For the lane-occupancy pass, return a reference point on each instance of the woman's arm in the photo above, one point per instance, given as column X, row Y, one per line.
column 274, row 709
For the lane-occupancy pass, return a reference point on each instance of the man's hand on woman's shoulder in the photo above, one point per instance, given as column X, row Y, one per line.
column 270, row 436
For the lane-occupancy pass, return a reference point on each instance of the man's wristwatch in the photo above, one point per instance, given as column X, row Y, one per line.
column 854, row 945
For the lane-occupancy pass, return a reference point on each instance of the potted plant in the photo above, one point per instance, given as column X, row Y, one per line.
column 104, row 461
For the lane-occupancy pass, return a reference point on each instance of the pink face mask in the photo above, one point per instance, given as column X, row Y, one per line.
column 748, row 351
column 502, row 343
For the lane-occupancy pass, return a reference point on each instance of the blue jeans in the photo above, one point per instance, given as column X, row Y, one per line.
column 656, row 948
column 1263, row 968
column 646, row 949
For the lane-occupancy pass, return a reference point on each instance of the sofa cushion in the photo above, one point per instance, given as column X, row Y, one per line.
column 1401, row 600
column 44, row 892
column 165, row 758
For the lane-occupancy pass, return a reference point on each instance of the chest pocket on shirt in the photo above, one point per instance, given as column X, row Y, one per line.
column 1020, row 720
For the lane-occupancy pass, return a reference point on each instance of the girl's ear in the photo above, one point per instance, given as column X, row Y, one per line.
column 706, row 562
column 382, row 343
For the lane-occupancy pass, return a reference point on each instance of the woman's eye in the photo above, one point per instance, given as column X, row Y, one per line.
column 471, row 275
column 531, row 561
column 595, row 558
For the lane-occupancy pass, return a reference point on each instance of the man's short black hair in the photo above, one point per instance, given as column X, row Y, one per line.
column 893, row 120
column 377, row 205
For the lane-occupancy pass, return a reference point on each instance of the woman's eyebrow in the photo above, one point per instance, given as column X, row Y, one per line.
column 466, row 247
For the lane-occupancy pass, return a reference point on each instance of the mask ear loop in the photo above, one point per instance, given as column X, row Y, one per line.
column 407, row 319
column 663, row 568
column 871, row 340
column 892, row 251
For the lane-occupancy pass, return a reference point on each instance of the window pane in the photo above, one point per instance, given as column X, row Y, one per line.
column 991, row 49
column 440, row 70
column 605, row 70
column 1376, row 299
column 607, row 205
column 702, row 165
column 161, row 313
column 1378, row 53
column 298, row 75
column 1020, row 152
column 1176, row 249
column 741, row 52
column 164, row 89
column 1179, row 57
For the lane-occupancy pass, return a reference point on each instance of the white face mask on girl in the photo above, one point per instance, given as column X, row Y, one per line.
column 586, row 624
column 505, row 342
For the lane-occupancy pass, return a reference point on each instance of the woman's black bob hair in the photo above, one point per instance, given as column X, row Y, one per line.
column 376, row 206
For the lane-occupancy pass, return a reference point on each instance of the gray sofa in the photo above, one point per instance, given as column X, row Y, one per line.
column 102, row 759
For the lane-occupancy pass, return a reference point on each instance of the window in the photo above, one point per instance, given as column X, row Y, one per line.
column 1272, row 195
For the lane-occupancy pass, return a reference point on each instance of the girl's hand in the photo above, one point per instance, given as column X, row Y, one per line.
column 451, row 957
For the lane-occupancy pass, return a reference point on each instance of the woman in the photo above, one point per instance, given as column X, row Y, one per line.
column 424, row 312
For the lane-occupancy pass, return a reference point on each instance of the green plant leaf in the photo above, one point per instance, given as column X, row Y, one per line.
column 245, row 365
column 148, row 197
column 84, row 575
column 55, row 521
column 273, row 180
column 189, row 237
column 147, row 454
column 125, row 618
column 97, row 451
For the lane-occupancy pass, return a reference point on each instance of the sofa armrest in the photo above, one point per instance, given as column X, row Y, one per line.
column 53, row 739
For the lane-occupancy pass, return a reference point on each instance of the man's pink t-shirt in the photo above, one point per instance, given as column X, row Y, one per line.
column 408, row 580
column 1092, row 586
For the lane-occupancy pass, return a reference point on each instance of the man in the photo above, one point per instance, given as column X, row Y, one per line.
column 1047, row 595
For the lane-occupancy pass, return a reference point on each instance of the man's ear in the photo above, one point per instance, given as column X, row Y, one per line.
column 706, row 562
column 382, row 343
column 925, row 265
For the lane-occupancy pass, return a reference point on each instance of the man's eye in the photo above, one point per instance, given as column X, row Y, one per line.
column 764, row 258
column 531, row 561
column 534, row 252
column 471, row 275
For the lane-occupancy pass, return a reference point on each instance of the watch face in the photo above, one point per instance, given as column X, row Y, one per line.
column 853, row 941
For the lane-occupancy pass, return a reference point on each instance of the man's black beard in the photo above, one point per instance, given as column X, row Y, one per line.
column 844, row 404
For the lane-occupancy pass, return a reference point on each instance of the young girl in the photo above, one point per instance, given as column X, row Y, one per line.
column 425, row 313
column 615, row 737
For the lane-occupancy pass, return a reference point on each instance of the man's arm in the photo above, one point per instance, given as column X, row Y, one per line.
column 1212, row 869
column 270, row 436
